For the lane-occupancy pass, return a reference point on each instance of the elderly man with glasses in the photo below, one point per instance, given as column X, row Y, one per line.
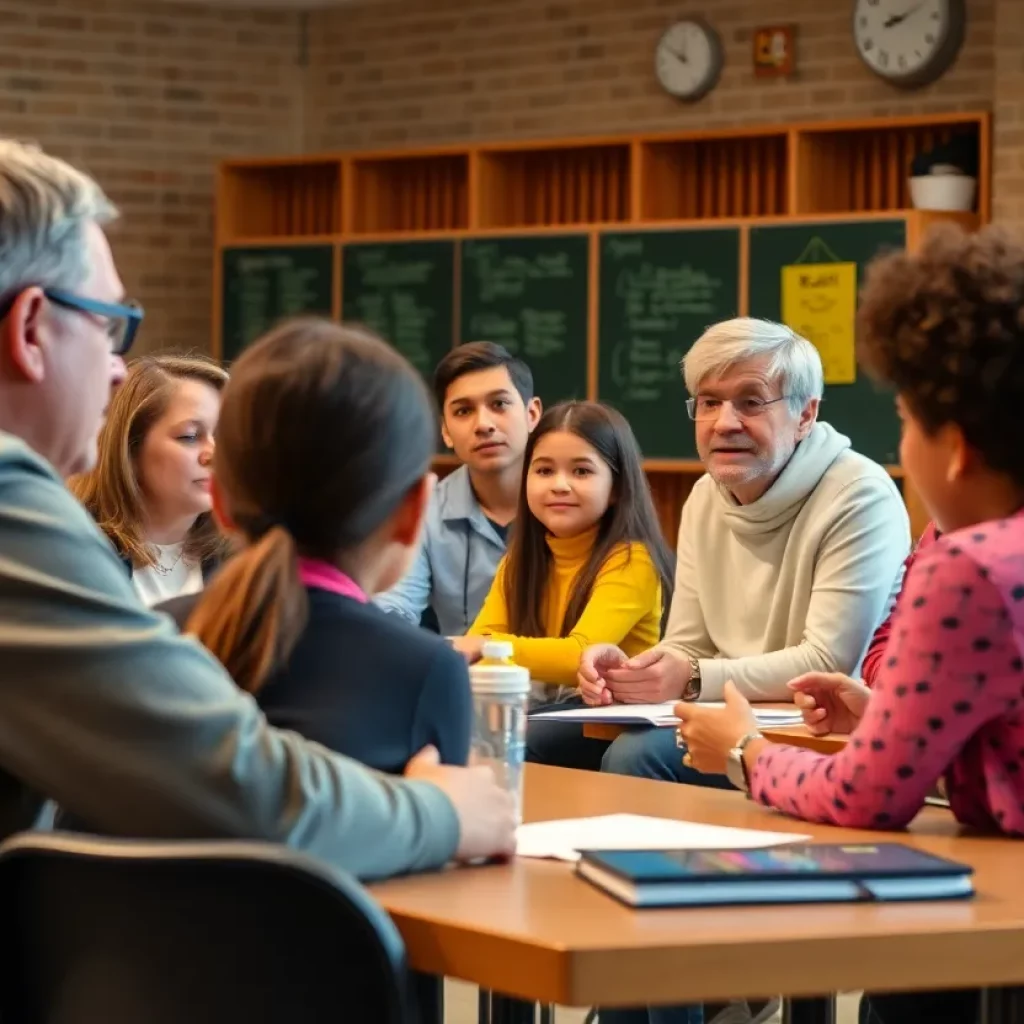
column 789, row 554
column 104, row 707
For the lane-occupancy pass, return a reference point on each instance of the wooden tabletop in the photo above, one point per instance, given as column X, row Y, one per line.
column 531, row 928
column 801, row 736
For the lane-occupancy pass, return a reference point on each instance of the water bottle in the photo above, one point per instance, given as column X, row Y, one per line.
column 501, row 694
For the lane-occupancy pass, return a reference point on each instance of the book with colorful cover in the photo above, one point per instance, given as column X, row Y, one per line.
column 799, row 873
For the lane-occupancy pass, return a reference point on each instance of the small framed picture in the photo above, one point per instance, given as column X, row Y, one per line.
column 775, row 51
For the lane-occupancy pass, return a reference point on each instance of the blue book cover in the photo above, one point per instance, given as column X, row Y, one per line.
column 801, row 872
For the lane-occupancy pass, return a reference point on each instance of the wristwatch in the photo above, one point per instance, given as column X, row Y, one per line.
column 735, row 767
column 692, row 689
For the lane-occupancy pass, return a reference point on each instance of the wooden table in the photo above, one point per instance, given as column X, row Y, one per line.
column 532, row 929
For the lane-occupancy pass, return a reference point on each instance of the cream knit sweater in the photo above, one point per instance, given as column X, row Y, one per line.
column 794, row 582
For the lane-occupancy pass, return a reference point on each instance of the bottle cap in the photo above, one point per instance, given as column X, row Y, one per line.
column 493, row 679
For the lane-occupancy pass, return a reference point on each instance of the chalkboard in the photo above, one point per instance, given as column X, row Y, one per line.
column 530, row 294
column 659, row 291
column 861, row 410
column 260, row 286
column 405, row 292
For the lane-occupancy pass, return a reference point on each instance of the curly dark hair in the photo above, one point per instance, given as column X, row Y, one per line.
column 945, row 328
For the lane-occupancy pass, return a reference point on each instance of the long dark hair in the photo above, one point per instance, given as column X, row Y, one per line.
column 630, row 518
column 324, row 429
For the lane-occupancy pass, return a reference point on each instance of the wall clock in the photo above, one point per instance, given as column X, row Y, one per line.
column 909, row 43
column 688, row 59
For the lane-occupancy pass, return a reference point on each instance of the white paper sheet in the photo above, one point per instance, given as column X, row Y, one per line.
column 563, row 839
column 660, row 714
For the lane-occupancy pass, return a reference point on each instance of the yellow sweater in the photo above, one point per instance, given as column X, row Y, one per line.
column 624, row 609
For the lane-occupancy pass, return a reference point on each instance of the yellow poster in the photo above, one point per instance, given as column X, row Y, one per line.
column 819, row 301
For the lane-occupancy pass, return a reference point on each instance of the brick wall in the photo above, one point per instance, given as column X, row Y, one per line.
column 417, row 71
column 148, row 96
column 1008, row 117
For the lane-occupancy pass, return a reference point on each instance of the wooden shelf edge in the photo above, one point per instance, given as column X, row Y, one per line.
column 583, row 227
column 647, row 224
column 687, row 466
column 969, row 219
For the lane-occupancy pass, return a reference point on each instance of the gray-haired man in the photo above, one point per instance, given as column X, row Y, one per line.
column 789, row 555
column 103, row 706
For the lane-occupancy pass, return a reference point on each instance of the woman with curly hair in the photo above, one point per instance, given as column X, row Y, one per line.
column 150, row 490
column 945, row 329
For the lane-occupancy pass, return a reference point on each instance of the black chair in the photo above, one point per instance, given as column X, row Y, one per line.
column 124, row 932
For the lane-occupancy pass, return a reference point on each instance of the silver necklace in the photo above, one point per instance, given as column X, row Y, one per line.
column 166, row 570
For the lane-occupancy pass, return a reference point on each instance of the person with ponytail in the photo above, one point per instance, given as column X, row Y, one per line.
column 322, row 476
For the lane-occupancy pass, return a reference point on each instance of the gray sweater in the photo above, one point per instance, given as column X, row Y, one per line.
column 106, row 709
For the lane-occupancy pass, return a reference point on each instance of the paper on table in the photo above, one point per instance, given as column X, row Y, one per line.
column 562, row 840
column 660, row 714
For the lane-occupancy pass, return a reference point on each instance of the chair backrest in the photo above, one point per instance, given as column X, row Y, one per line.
column 199, row 932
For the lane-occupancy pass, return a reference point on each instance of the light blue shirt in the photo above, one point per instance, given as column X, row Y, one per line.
column 455, row 566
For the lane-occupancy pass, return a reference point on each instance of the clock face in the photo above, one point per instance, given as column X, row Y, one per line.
column 688, row 60
column 908, row 42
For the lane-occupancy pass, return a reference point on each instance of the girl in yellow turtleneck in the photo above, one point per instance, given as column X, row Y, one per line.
column 587, row 563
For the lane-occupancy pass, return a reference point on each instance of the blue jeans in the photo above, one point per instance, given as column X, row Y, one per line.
column 645, row 752
column 653, row 754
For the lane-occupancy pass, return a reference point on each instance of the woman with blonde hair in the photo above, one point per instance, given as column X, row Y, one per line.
column 150, row 490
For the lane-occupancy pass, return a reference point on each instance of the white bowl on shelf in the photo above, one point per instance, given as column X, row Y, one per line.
column 943, row 192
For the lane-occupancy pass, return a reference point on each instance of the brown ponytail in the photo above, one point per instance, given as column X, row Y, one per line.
column 254, row 610
column 323, row 431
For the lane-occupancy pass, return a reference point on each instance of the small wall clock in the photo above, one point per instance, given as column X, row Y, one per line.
column 909, row 43
column 688, row 59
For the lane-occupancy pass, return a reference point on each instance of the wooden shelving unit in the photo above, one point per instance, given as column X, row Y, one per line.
column 849, row 171
column 554, row 186
column 408, row 194
column 843, row 169
column 714, row 176
column 282, row 200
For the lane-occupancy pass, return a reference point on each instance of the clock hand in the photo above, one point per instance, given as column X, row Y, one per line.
column 898, row 19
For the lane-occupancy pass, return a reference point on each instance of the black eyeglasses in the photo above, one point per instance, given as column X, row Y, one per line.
column 123, row 319
column 703, row 407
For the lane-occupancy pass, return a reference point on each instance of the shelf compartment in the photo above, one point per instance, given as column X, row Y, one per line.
column 670, row 488
column 280, row 200
column 402, row 194
column 867, row 170
column 704, row 179
column 558, row 186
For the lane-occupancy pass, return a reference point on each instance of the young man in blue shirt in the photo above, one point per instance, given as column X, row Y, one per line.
column 488, row 410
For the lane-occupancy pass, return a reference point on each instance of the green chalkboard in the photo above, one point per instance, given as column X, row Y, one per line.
column 861, row 410
column 405, row 292
column 659, row 291
column 260, row 286
column 530, row 294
